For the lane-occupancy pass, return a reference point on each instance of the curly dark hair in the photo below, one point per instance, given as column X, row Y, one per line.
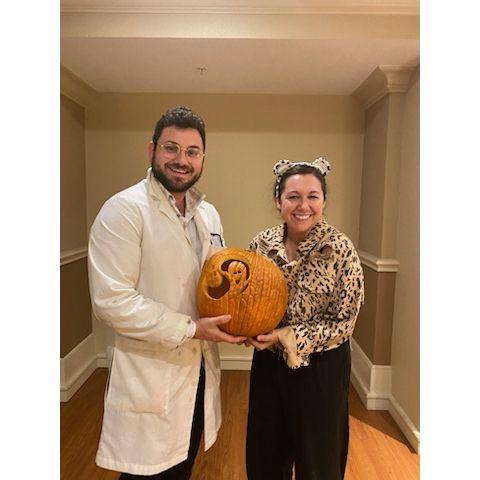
column 299, row 170
column 181, row 117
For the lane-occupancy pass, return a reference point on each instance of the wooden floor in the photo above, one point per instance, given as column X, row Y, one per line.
column 378, row 450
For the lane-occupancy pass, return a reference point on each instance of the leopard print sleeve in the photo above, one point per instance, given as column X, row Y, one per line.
column 253, row 244
column 332, row 309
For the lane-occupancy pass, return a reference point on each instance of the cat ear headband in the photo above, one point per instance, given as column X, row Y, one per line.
column 321, row 164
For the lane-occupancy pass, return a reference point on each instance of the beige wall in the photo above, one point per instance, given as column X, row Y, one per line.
column 246, row 135
column 75, row 318
column 381, row 165
column 378, row 221
column 406, row 324
column 373, row 177
column 392, row 173
column 378, row 217
column 73, row 228
column 373, row 330
column 75, row 310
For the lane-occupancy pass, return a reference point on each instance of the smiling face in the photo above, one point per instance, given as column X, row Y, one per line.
column 177, row 174
column 301, row 204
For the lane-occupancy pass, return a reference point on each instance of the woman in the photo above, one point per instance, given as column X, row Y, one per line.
column 298, row 411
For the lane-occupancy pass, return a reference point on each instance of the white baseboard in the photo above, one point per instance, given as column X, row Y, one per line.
column 81, row 362
column 102, row 361
column 76, row 367
column 227, row 362
column 405, row 424
column 235, row 362
column 373, row 384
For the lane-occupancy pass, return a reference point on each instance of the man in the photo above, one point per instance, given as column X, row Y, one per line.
column 146, row 250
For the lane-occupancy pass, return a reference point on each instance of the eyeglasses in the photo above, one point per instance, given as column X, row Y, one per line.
column 173, row 150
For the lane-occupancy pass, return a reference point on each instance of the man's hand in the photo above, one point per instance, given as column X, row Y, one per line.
column 261, row 342
column 207, row 329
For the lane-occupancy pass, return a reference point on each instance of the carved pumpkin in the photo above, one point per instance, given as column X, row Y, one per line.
column 245, row 285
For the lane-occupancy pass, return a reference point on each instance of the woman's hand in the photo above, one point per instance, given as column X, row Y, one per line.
column 261, row 342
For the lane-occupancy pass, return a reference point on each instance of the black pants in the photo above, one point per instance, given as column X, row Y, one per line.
column 298, row 417
column 183, row 470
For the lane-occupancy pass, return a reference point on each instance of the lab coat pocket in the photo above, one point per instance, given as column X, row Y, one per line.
column 139, row 382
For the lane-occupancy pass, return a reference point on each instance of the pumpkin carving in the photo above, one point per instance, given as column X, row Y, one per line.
column 245, row 285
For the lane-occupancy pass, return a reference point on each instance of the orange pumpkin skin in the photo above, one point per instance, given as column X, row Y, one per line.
column 245, row 285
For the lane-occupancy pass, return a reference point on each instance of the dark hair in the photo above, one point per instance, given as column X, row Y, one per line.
column 300, row 170
column 181, row 117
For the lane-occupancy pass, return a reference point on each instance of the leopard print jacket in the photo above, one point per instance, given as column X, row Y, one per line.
column 326, row 290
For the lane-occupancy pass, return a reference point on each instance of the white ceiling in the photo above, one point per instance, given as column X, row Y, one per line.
column 312, row 47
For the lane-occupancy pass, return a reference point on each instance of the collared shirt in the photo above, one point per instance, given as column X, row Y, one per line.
column 326, row 289
column 193, row 198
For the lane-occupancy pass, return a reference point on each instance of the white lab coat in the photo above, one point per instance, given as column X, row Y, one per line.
column 143, row 274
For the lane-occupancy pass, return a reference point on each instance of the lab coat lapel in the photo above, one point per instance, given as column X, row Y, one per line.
column 204, row 235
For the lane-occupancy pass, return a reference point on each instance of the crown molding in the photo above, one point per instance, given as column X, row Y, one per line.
column 327, row 8
column 75, row 89
column 381, row 265
column 69, row 256
column 382, row 81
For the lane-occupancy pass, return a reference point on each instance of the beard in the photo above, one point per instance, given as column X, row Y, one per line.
column 174, row 185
